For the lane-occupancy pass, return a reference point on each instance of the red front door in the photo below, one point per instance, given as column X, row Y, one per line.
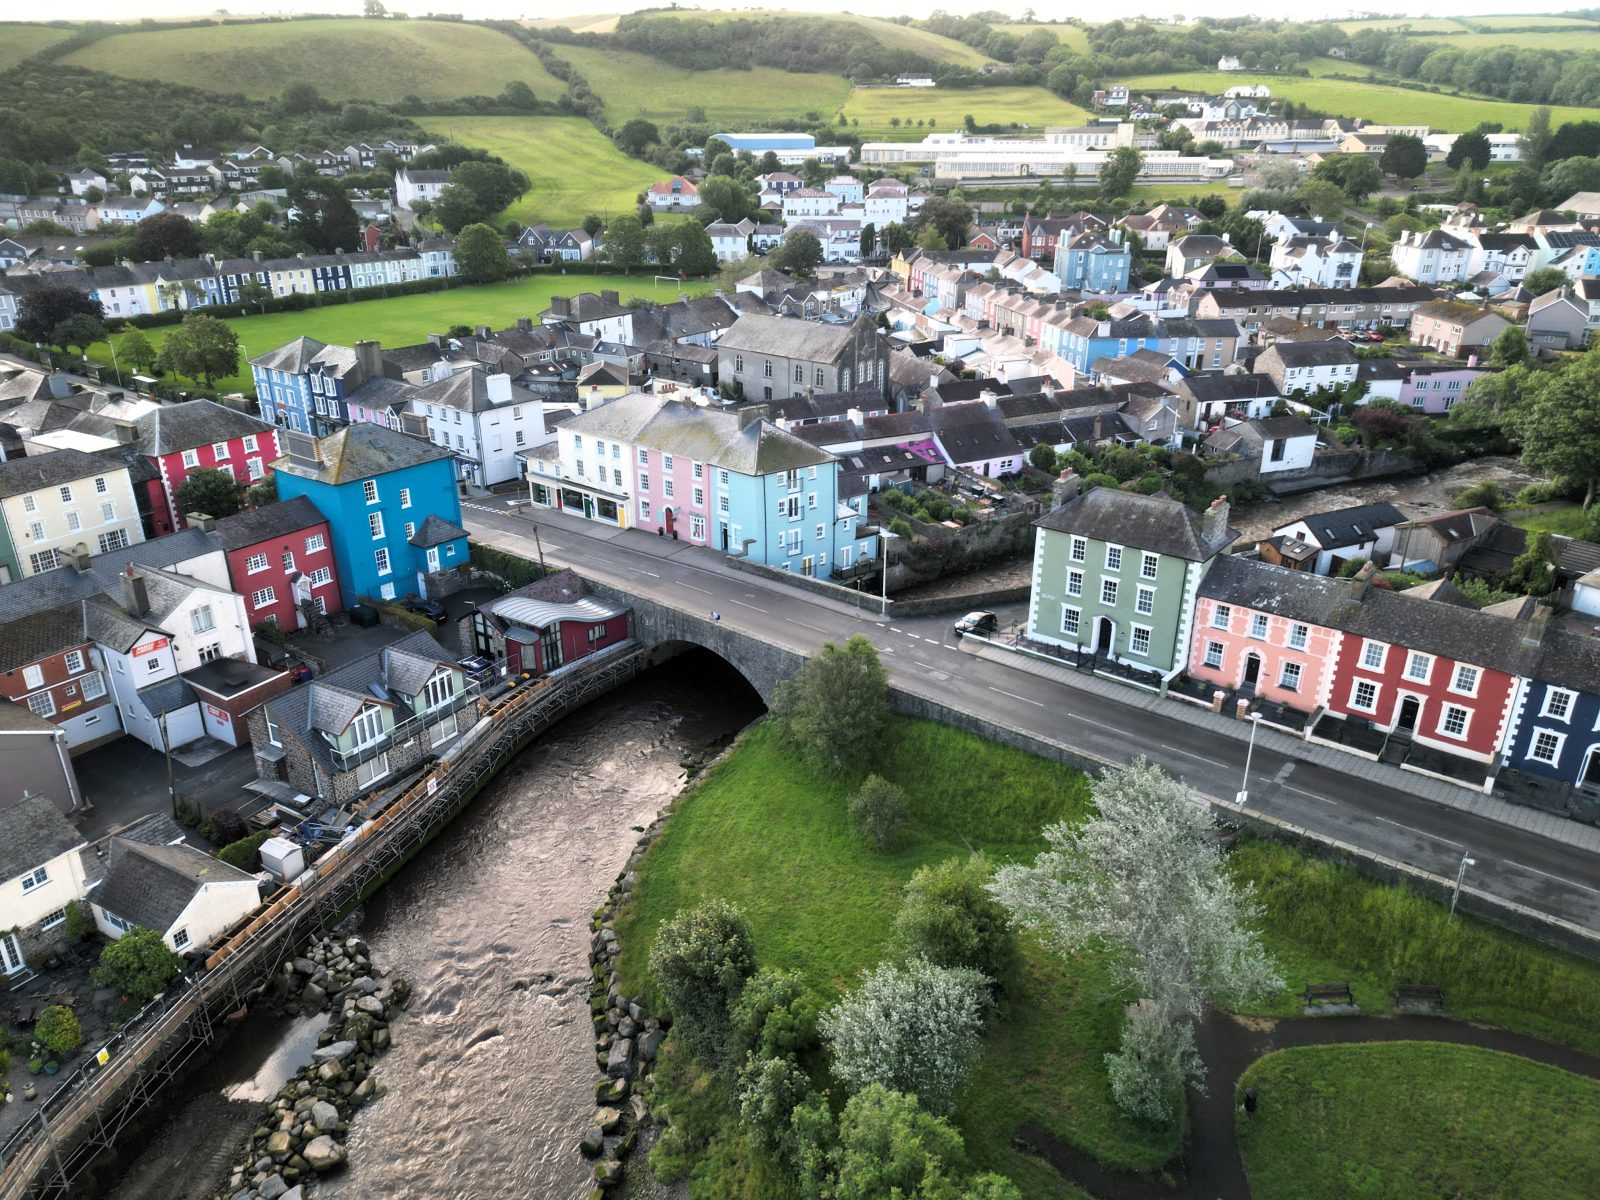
column 671, row 522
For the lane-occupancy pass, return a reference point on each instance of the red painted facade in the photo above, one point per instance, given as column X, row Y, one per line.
column 577, row 641
column 259, row 448
column 60, row 676
column 286, row 557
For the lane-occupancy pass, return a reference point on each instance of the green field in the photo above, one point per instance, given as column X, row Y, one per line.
column 1570, row 522
column 946, row 110
column 1375, row 102
column 1586, row 38
column 595, row 23
column 407, row 320
column 574, row 169
column 744, row 97
column 1420, row 24
column 896, row 37
column 345, row 59
column 1419, row 1121
column 1074, row 36
column 18, row 42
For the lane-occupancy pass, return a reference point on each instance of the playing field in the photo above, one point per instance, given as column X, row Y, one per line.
column 18, row 42
column 1375, row 102
column 574, row 168
column 939, row 109
column 744, row 97
column 344, row 59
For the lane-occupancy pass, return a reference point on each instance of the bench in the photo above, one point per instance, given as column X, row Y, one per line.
column 1329, row 993
column 1424, row 997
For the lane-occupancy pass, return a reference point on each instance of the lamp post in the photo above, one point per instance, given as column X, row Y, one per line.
column 1243, row 797
column 1461, row 871
column 884, row 538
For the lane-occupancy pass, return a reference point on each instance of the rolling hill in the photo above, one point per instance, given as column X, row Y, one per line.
column 18, row 42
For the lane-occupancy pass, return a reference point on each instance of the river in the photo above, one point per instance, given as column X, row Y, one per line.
column 491, row 1078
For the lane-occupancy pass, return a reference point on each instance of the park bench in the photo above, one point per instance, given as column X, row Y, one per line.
column 1418, row 997
column 1329, row 993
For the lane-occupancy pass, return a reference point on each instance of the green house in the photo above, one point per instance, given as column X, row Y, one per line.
column 1115, row 575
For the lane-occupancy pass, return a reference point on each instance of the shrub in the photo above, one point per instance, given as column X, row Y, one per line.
column 228, row 826
column 1351, row 566
column 1098, row 479
column 913, row 1028
column 775, row 1015
column 837, row 706
column 138, row 964
column 890, row 1147
column 701, row 960
column 80, row 921
column 1486, row 494
column 878, row 812
column 245, row 853
column 770, row 1089
column 901, row 527
column 950, row 919
column 57, row 1030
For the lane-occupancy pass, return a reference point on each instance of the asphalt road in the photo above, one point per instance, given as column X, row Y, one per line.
column 923, row 657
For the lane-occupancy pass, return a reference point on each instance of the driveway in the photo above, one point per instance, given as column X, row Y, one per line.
column 125, row 780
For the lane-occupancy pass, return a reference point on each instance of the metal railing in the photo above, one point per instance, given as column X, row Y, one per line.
column 404, row 731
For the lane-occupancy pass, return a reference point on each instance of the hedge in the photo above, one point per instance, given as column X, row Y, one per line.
column 246, row 852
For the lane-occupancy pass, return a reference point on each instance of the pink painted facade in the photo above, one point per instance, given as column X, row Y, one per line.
column 673, row 495
column 1436, row 392
column 1293, row 660
column 247, row 458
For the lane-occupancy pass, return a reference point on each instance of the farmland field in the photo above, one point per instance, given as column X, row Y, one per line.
column 945, row 110
column 1074, row 36
column 407, row 320
column 1586, row 38
column 18, row 42
column 596, row 23
column 574, row 168
column 1375, row 102
column 344, row 59
column 1420, row 24
column 759, row 94
column 896, row 37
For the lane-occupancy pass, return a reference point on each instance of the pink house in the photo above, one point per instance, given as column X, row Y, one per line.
column 1436, row 392
column 673, row 494
column 1241, row 643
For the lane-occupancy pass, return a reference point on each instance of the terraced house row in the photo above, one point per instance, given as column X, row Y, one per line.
column 1503, row 697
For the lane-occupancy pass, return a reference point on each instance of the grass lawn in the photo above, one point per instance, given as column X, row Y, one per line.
column 407, row 320
column 574, row 168
column 1416, row 1121
column 1374, row 101
column 1075, row 36
column 946, row 110
column 346, row 59
column 1151, row 194
column 18, row 42
column 1569, row 521
column 744, row 98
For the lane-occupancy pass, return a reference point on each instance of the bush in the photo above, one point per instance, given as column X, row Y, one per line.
column 836, row 708
column 228, row 826
column 770, row 1089
column 57, row 1030
column 80, row 921
column 775, row 1015
column 1098, row 479
column 511, row 569
column 901, row 527
column 245, row 853
column 950, row 919
column 878, row 812
column 913, row 1028
column 1351, row 567
column 1486, row 494
column 138, row 964
column 701, row 960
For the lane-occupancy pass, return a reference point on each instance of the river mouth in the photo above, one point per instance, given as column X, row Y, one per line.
column 490, row 1081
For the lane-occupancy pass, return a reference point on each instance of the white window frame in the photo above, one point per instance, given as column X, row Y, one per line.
column 1368, row 649
column 1216, row 654
column 1113, row 557
column 1108, row 586
column 1136, row 633
column 1299, row 636
column 74, row 659
column 1221, row 616
column 369, row 490
column 1412, row 659
column 1071, row 620
column 1455, row 679
column 1355, row 695
column 1444, row 720
column 1078, row 549
column 380, row 560
column 1260, row 626
column 1149, row 565
column 1074, row 583
column 1560, row 740
column 1145, row 602
column 262, row 597
column 1285, row 681
column 256, row 564
column 1567, row 698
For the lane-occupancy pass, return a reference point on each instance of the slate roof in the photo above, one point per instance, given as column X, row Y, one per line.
column 707, row 435
column 1335, row 353
column 21, row 475
column 269, row 521
column 1251, row 583
column 1342, row 527
column 291, row 357
column 363, row 450
column 787, row 337
column 53, row 588
column 435, row 531
column 41, row 634
column 1206, row 389
column 1154, row 523
column 32, row 832
column 150, row 886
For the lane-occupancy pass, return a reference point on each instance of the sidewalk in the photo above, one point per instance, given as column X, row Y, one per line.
column 1464, row 799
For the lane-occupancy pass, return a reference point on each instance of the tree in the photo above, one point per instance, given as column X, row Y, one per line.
column 700, row 961
column 837, row 707
column 951, row 217
column 776, row 1015
column 1321, row 199
column 769, row 1092
column 481, row 254
column 1557, row 422
column 624, row 246
column 57, row 1029
column 202, row 348
column 300, row 98
column 79, row 330
column 869, row 240
column 695, row 253
column 164, row 234
column 323, row 214
column 1043, row 458
column 1536, row 136
column 724, row 198
column 1405, row 157
column 931, row 239
column 637, row 136
column 1119, row 170
column 878, row 812
column 1533, row 572
column 1140, row 878
column 1469, row 149
column 592, row 224
column 1357, row 175
column 253, row 291
column 950, row 919
column 1509, row 348
column 135, row 349
column 518, row 94
column 1545, row 279
column 211, row 491
column 138, row 964
column 45, row 308
column 914, row 1028
column 890, row 1147
column 799, row 254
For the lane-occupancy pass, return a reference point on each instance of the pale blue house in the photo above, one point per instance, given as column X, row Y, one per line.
column 1094, row 262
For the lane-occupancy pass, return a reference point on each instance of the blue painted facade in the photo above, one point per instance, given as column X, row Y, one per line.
column 793, row 519
column 1082, row 341
column 1093, row 263
column 306, row 401
column 1557, row 733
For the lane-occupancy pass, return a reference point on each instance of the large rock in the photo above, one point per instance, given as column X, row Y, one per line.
column 337, row 1052
column 295, row 1193
column 278, row 1143
column 330, row 1072
column 272, row 1188
column 324, row 1116
column 619, row 1062
column 608, row 1174
column 370, row 1005
column 314, row 996
column 650, row 1044
column 608, row 1119
column 322, row 1153
column 592, row 1142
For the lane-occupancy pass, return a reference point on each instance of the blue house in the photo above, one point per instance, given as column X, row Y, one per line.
column 1093, row 262
column 1555, row 734
column 1195, row 343
column 391, row 504
column 302, row 385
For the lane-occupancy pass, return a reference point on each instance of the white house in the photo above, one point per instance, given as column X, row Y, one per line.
column 848, row 188
column 41, row 872
column 1317, row 262
column 887, row 202
column 1229, row 62
column 1432, row 256
column 411, row 186
column 484, row 419
column 672, row 195
column 730, row 241
column 1363, row 531
column 182, row 893
column 1276, row 444
column 803, row 204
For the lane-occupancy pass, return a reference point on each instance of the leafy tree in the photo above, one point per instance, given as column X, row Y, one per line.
column 837, row 707
column 951, row 217
column 1322, row 199
column 1556, row 421
column 769, row 1091
column 799, row 254
column 79, row 330
column 869, row 240
column 1140, row 878
column 300, row 98
column 253, row 291
column 481, row 254
column 138, row 964
column 1117, row 173
column 457, row 207
column 165, row 233
column 202, row 348
column 1469, row 150
column 57, row 1029
column 1545, row 279
column 211, row 491
column 1357, row 175
column 592, row 224
column 1509, row 348
column 324, row 216
column 724, row 198
column 660, row 242
column 878, row 812
column 1533, row 572
column 895, row 238
column 135, row 349
column 637, row 136
column 890, row 1147
column 931, row 239
column 1043, row 458
column 914, row 1028
column 775, row 1015
column 1405, row 157
column 518, row 94
column 701, row 960
column 1536, row 135
column 695, row 254
column 950, row 919
column 624, row 245
column 44, row 309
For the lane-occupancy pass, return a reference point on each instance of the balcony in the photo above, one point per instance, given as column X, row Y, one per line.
column 408, row 730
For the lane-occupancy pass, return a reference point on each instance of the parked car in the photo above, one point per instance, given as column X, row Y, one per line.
column 431, row 609
column 980, row 624
column 1374, row 336
column 364, row 615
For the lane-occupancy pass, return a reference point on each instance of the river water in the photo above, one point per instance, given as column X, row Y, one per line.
column 491, row 1078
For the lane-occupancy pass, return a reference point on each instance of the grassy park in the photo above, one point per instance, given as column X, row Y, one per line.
column 1419, row 1121
column 345, row 59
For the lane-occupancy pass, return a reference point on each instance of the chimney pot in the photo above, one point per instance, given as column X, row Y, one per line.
column 754, row 414
column 1214, row 521
column 200, row 520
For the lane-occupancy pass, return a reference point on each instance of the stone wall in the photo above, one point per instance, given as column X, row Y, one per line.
column 820, row 587
column 960, row 602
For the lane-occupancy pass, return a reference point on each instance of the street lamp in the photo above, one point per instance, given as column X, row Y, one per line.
column 1461, row 872
column 884, row 538
column 1243, row 797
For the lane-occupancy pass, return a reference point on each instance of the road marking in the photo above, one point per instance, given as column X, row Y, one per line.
column 1186, row 754
column 803, row 625
column 1421, row 833
column 1014, row 696
column 742, row 604
column 1309, row 795
column 1096, row 724
column 692, row 588
column 652, row 574
column 915, row 636
column 1547, row 875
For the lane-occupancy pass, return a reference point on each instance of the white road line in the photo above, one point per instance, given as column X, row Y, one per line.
column 742, row 604
column 1097, row 724
column 803, row 625
column 692, row 588
column 1421, row 833
column 1547, row 875
column 1014, row 696
column 892, row 629
column 915, row 636
column 1309, row 795
column 652, row 574
column 1198, row 758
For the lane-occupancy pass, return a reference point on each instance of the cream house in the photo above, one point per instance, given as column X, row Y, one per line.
column 53, row 504
column 184, row 894
column 41, row 873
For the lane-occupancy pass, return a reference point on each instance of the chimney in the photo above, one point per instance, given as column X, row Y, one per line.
column 256, row 254
column 483, row 333
column 560, row 306
column 200, row 520
column 60, row 386
column 125, row 433
column 524, row 324
column 1214, row 522
column 134, row 597
column 1534, row 629
column 1099, row 427
column 436, row 339
column 369, row 354
column 1361, row 581
column 596, row 398
column 610, row 297
column 754, row 414
column 77, row 558
column 1064, row 489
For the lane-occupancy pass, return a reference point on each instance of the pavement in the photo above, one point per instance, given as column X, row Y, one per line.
column 1544, row 862
column 125, row 780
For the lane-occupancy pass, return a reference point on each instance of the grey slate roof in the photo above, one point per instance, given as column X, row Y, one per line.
column 1153, row 523
column 21, row 475
column 435, row 531
column 363, row 450
column 1348, row 526
column 53, row 588
column 787, row 337
column 170, row 695
column 269, row 521
column 291, row 357
column 32, row 832
column 38, row 635
column 150, row 886
column 1251, row 583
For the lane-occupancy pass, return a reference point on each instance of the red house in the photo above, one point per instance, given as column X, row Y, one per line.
column 179, row 438
column 280, row 557
column 50, row 666
column 545, row 626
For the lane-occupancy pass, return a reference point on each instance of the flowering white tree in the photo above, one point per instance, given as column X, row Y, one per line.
column 911, row 1028
column 1139, row 880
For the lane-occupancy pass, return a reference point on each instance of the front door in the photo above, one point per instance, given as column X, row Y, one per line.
column 1252, row 670
column 433, row 559
column 1591, row 769
column 11, row 960
column 672, row 522
column 1105, row 636
column 1407, row 720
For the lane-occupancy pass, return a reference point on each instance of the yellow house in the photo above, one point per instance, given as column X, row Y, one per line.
column 69, row 501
